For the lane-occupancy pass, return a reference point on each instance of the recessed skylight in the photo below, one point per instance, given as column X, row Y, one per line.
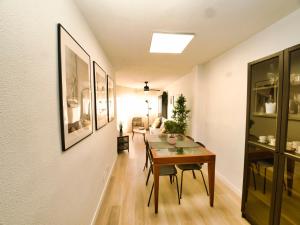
column 169, row 43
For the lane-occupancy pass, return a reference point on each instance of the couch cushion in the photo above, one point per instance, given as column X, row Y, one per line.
column 163, row 120
column 156, row 123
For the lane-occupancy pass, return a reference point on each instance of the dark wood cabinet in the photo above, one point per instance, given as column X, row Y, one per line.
column 271, row 187
column 123, row 142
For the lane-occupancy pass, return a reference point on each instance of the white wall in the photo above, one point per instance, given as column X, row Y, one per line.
column 224, row 95
column 40, row 184
column 186, row 86
column 216, row 94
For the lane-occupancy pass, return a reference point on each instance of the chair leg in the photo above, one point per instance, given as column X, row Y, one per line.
column 177, row 189
column 265, row 180
column 194, row 175
column 146, row 162
column 181, row 183
column 170, row 176
column 132, row 135
column 254, row 180
column 150, row 169
column 258, row 169
column 150, row 194
column 204, row 183
column 284, row 185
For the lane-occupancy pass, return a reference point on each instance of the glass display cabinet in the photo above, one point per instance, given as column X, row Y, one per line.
column 271, row 188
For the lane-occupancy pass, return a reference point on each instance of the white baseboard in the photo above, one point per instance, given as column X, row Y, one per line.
column 102, row 194
column 224, row 180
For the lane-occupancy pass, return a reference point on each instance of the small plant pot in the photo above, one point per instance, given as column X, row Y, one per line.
column 179, row 150
column 172, row 140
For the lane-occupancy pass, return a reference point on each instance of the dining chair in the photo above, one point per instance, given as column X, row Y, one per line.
column 148, row 153
column 164, row 170
column 192, row 167
column 150, row 167
column 266, row 163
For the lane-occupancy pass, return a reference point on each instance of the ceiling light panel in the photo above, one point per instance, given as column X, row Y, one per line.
column 169, row 43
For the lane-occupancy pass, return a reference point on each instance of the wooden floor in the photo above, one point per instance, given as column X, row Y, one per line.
column 125, row 201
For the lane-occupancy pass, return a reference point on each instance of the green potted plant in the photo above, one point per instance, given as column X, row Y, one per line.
column 179, row 123
column 171, row 128
column 181, row 114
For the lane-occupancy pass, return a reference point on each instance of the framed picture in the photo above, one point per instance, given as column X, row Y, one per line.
column 100, row 93
column 75, row 90
column 110, row 99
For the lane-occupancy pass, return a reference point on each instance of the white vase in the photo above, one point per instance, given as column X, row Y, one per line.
column 172, row 140
column 270, row 108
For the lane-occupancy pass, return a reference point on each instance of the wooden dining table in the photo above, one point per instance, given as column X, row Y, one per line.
column 183, row 152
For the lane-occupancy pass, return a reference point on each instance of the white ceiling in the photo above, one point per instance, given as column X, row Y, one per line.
column 124, row 30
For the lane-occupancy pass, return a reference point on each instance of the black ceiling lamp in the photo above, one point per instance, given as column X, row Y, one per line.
column 146, row 87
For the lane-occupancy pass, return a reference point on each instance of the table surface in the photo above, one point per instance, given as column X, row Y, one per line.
column 182, row 152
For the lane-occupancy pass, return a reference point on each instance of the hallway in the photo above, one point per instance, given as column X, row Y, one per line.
column 125, row 201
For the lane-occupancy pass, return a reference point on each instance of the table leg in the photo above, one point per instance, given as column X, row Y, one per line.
column 156, row 186
column 211, row 181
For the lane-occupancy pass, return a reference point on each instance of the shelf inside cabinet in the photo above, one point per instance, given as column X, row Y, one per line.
column 293, row 154
column 267, row 115
column 294, row 116
column 264, row 87
column 266, row 146
column 295, row 84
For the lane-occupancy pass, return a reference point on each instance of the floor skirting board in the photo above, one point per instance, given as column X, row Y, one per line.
column 103, row 194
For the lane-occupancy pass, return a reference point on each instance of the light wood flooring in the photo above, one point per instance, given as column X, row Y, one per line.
column 125, row 201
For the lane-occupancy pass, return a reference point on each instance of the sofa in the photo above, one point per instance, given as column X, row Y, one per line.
column 157, row 127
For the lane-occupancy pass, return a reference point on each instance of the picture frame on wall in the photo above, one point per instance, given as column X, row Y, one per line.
column 75, row 90
column 100, row 96
column 110, row 99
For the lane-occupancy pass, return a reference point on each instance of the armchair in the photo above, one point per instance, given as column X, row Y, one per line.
column 137, row 126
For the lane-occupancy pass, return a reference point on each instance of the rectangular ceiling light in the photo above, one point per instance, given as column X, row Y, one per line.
column 169, row 43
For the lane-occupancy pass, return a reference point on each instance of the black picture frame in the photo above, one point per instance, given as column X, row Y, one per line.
column 110, row 99
column 100, row 96
column 74, row 90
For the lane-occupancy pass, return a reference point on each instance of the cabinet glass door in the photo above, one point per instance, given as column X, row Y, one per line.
column 291, row 180
column 259, row 184
column 263, row 103
column 293, row 131
column 263, row 108
column 291, row 193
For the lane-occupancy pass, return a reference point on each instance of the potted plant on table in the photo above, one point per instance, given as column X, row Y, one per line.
column 179, row 123
column 171, row 128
